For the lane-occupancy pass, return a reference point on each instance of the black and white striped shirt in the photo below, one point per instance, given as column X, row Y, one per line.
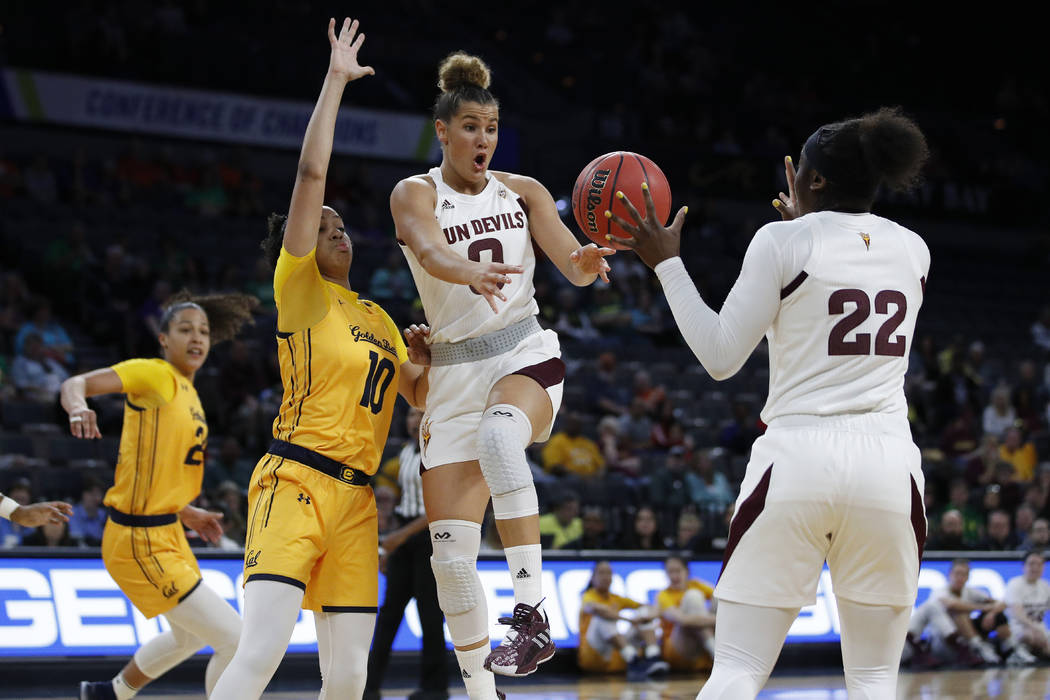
column 410, row 481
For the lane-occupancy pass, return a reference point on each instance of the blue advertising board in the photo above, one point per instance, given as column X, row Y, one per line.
column 71, row 607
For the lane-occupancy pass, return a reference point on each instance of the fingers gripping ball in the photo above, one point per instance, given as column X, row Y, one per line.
column 596, row 188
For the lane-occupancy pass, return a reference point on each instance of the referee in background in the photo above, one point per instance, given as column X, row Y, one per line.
column 406, row 564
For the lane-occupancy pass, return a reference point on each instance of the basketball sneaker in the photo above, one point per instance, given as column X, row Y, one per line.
column 97, row 690
column 1020, row 657
column 527, row 645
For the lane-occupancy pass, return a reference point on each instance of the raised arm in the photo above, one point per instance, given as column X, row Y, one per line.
column 724, row 340
column 581, row 265
column 412, row 206
column 83, row 423
column 304, row 213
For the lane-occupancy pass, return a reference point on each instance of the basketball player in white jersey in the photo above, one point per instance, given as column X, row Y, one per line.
column 836, row 477
column 495, row 381
column 1027, row 602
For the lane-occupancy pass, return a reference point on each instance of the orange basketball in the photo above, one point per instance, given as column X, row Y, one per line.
column 596, row 188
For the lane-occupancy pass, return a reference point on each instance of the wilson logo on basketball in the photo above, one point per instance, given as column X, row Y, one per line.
column 594, row 198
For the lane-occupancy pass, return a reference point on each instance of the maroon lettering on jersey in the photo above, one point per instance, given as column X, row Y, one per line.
column 478, row 228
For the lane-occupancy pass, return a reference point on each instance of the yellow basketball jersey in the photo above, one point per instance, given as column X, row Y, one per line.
column 161, row 460
column 672, row 598
column 340, row 359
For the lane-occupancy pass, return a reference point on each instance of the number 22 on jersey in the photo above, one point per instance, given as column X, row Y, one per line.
column 885, row 345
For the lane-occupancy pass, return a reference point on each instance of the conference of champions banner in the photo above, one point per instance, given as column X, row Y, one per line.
column 37, row 96
column 71, row 607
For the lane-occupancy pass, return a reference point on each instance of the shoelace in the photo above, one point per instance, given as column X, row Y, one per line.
column 519, row 618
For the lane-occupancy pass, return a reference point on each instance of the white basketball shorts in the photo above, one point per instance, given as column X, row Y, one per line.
column 459, row 393
column 842, row 489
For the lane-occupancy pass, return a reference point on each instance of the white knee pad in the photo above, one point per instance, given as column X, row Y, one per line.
column 460, row 595
column 503, row 434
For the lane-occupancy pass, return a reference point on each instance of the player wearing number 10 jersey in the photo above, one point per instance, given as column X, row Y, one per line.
column 836, row 291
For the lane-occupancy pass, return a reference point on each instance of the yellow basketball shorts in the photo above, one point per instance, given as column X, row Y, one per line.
column 153, row 566
column 314, row 531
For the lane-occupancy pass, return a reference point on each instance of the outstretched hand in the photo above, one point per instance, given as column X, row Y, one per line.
column 591, row 260
column 652, row 241
column 785, row 204
column 489, row 278
column 205, row 523
column 416, row 342
column 39, row 514
column 343, row 61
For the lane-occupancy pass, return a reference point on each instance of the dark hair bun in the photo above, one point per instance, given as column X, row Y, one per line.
column 894, row 147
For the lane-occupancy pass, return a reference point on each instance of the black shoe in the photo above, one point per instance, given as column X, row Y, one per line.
column 638, row 670
column 97, row 690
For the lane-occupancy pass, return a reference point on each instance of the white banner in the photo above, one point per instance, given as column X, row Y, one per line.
column 197, row 114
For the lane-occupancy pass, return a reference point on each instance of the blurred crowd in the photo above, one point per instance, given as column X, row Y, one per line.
column 648, row 451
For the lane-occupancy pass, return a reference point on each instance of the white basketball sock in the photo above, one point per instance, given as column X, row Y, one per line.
column 526, row 573
column 481, row 684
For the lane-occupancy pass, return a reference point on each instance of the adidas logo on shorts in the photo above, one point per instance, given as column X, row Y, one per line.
column 523, row 574
column 465, row 674
column 447, row 205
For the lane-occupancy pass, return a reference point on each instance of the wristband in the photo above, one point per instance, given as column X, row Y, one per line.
column 7, row 507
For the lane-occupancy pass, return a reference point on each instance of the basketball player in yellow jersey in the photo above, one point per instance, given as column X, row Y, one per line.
column 603, row 647
column 688, row 623
column 159, row 471
column 312, row 535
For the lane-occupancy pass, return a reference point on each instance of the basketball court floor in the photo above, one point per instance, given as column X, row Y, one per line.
column 1007, row 684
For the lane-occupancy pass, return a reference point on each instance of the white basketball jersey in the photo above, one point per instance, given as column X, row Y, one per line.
column 840, row 341
column 491, row 226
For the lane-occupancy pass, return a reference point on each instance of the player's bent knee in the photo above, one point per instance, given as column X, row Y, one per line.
column 503, row 434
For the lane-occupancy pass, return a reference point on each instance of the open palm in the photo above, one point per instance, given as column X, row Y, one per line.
column 345, row 47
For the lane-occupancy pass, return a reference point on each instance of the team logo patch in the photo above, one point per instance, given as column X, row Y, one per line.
column 169, row 589
column 303, row 499
column 442, row 535
column 446, row 205
column 867, row 241
column 424, row 432
column 252, row 559
column 502, row 192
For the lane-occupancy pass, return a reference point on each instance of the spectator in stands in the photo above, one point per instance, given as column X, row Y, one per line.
column 615, row 450
column 687, row 612
column 571, row 452
column 392, row 281
column 644, row 391
column 956, row 392
column 595, row 530
column 1029, row 396
column 644, row 533
column 562, row 525
column 689, row 534
column 959, row 500
column 959, row 618
column 607, row 390
column 1038, row 536
column 14, row 299
column 1027, row 599
column 1041, row 329
column 605, row 646
column 232, row 499
column 1024, row 517
column 978, row 367
column 228, row 464
column 50, row 535
column 11, row 533
column 961, row 434
column 981, row 463
column 572, row 321
column 740, row 432
column 89, row 517
column 998, row 535
column 949, row 536
column 636, row 427
column 667, row 432
column 999, row 416
column 36, row 376
column 57, row 344
column 668, row 486
column 708, row 487
column 1019, row 453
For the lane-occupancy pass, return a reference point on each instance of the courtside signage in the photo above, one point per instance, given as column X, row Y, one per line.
column 71, row 607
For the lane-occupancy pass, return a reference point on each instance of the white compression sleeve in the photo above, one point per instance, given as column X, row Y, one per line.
column 872, row 639
column 203, row 618
column 343, row 641
column 270, row 611
column 723, row 341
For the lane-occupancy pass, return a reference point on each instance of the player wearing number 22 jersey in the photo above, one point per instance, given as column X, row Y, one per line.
column 836, row 478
